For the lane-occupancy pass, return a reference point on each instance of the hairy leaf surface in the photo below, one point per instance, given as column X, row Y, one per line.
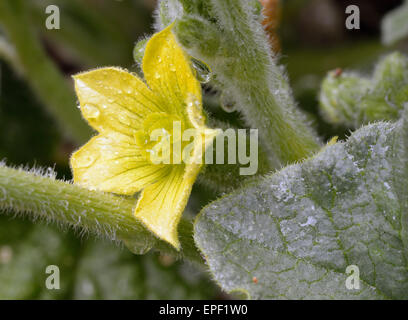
column 293, row 234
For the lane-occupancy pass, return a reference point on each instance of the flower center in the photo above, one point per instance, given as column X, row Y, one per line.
column 161, row 138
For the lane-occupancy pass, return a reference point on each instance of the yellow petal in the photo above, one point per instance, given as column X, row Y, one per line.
column 112, row 99
column 161, row 205
column 168, row 73
column 112, row 162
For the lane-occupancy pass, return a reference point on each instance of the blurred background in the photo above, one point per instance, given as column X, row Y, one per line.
column 97, row 33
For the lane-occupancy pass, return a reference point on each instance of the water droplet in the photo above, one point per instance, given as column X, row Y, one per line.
column 50, row 172
column 151, row 151
column 203, row 71
column 90, row 111
column 6, row 254
column 157, row 75
column 124, row 119
column 311, row 221
column 104, row 141
column 85, row 161
column 138, row 245
column 166, row 260
column 227, row 103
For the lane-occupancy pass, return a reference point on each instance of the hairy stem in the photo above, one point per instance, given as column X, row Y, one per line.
column 228, row 35
column 102, row 214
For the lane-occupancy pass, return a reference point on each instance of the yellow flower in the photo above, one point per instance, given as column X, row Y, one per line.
column 125, row 111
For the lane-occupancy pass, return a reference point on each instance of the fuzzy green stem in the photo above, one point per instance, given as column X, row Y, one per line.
column 228, row 36
column 42, row 74
column 270, row 104
column 102, row 214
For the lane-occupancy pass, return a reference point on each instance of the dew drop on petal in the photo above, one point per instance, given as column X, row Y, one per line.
column 124, row 119
column 85, row 161
column 104, row 140
column 90, row 111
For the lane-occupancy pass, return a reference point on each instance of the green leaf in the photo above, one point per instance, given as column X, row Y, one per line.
column 352, row 100
column 88, row 269
column 298, row 230
column 394, row 26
